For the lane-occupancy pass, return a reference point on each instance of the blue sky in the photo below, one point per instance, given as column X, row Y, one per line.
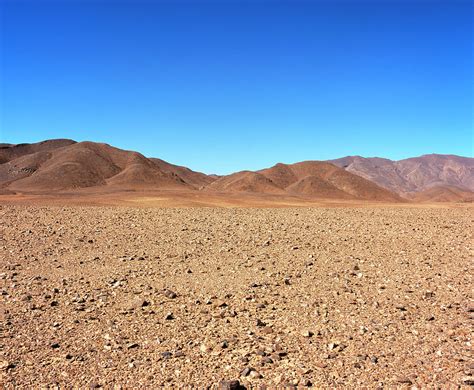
column 222, row 86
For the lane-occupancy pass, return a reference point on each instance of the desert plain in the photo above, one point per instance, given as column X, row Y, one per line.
column 133, row 295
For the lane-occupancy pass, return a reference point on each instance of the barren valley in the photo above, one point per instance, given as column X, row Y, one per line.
column 142, row 297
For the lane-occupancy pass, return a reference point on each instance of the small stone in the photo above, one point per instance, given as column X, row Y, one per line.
column 246, row 371
column 468, row 380
column 404, row 379
column 260, row 323
column 169, row 316
column 204, row 348
column 170, row 294
column 220, row 303
column 230, row 385
column 137, row 303
column 267, row 330
column 132, row 345
column 307, row 333
column 332, row 346
column 428, row 294
column 267, row 360
column 166, row 355
column 255, row 375
column 55, row 345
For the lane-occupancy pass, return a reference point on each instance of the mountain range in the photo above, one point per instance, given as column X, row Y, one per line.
column 59, row 165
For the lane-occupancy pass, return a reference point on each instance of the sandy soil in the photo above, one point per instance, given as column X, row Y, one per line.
column 104, row 296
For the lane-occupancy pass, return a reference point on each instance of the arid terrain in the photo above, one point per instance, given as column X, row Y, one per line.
column 63, row 167
column 379, row 295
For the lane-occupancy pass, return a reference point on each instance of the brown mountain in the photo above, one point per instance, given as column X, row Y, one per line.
column 309, row 179
column 63, row 165
column 196, row 179
column 413, row 175
column 10, row 152
column 245, row 181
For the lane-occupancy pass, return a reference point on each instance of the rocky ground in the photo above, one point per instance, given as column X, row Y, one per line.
column 104, row 296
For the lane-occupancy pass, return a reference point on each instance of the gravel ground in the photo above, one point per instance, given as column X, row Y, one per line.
column 114, row 296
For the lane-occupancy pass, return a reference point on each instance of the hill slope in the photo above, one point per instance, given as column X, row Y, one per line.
column 64, row 165
column 10, row 152
column 443, row 194
column 309, row 179
column 196, row 179
column 413, row 174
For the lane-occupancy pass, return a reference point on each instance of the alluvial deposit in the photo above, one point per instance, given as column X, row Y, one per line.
column 142, row 297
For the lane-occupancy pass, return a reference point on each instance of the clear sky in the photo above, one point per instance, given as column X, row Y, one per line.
column 222, row 86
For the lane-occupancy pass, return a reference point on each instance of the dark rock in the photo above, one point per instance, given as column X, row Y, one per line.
column 170, row 294
column 231, row 385
column 260, row 323
column 166, row 355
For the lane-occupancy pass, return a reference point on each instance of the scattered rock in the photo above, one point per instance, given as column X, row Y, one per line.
column 468, row 381
column 166, row 355
column 230, row 385
column 170, row 294
column 404, row 379
column 260, row 323
column 246, row 371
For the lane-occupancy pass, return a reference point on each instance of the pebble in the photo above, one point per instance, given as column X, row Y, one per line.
column 166, row 355
column 468, row 380
column 255, row 375
column 404, row 379
column 260, row 323
column 230, row 385
column 170, row 294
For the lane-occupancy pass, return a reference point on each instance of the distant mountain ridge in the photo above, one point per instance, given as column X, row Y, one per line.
column 413, row 175
column 309, row 179
column 64, row 165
